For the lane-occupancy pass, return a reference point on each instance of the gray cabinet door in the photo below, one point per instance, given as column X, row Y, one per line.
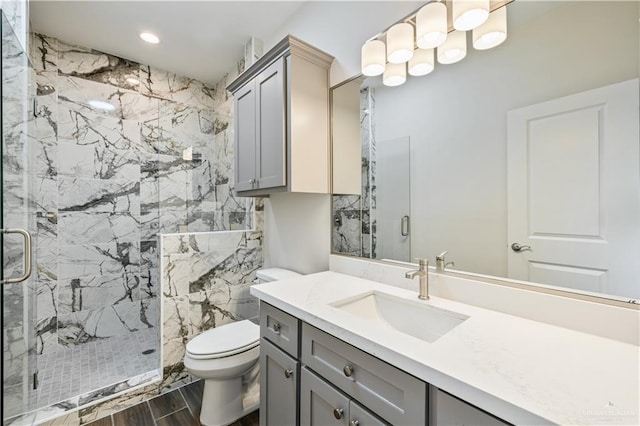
column 245, row 136
column 271, row 104
column 278, row 386
column 320, row 403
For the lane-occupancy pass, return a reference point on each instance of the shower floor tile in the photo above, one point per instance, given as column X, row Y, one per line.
column 69, row 372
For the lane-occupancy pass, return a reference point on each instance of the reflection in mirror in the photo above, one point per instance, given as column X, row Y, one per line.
column 522, row 161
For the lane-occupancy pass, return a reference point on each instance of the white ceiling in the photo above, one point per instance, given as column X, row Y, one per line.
column 198, row 39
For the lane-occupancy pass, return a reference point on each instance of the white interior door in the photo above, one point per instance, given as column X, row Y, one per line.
column 393, row 202
column 574, row 191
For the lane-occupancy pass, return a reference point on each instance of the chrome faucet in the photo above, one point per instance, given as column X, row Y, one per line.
column 423, row 273
column 441, row 262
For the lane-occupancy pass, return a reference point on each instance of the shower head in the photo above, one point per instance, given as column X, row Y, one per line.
column 44, row 89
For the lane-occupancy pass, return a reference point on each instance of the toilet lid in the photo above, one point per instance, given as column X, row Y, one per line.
column 228, row 339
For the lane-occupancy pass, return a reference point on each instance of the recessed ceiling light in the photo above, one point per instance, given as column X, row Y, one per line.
column 103, row 105
column 133, row 80
column 150, row 38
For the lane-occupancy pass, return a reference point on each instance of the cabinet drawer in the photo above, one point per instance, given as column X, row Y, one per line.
column 280, row 328
column 394, row 395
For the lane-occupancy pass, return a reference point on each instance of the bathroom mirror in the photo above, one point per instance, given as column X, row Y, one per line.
column 521, row 161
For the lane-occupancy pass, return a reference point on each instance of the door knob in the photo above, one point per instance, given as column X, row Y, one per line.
column 288, row 373
column 519, row 247
column 354, row 423
column 337, row 413
column 276, row 327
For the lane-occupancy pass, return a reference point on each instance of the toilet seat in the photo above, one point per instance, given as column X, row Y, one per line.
column 227, row 340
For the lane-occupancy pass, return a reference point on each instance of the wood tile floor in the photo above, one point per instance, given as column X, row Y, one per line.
column 180, row 407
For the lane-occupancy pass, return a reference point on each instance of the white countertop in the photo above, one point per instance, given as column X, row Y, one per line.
column 522, row 371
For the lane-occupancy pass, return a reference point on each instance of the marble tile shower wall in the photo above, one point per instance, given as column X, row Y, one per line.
column 206, row 274
column 354, row 216
column 157, row 160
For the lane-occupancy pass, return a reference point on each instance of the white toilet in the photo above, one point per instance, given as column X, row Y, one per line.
column 222, row 357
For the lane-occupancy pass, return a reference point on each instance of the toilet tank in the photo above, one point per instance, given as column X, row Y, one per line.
column 274, row 274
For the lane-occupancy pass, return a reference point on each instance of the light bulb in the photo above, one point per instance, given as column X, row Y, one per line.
column 454, row 49
column 400, row 43
column 422, row 62
column 394, row 75
column 431, row 25
column 373, row 58
column 493, row 32
column 469, row 14
column 149, row 38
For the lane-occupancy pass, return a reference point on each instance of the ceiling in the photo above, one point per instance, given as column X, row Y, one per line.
column 198, row 39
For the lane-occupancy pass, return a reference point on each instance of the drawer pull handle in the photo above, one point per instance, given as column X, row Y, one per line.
column 288, row 373
column 354, row 423
column 348, row 370
column 337, row 413
column 276, row 327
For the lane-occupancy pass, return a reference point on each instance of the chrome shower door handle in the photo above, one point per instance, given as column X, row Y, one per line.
column 404, row 226
column 26, row 255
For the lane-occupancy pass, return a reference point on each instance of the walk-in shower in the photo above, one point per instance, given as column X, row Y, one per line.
column 85, row 321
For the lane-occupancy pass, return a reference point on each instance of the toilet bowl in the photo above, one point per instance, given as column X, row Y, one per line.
column 226, row 358
column 222, row 356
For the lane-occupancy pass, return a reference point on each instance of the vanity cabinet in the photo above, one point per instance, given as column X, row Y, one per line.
column 309, row 377
column 306, row 374
column 281, row 119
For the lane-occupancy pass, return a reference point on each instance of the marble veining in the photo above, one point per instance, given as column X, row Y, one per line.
column 108, row 183
column 96, row 66
column 161, row 84
column 206, row 280
column 354, row 216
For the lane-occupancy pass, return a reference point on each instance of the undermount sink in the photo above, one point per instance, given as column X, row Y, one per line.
column 415, row 318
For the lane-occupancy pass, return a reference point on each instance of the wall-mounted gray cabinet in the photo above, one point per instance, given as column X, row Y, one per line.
column 281, row 107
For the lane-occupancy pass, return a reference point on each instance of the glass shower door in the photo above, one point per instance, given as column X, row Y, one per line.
column 18, row 223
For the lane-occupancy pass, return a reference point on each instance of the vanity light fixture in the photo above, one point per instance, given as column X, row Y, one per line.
column 422, row 62
column 373, row 58
column 493, row 32
column 469, row 14
column 454, row 49
column 394, row 75
column 149, row 37
column 435, row 28
column 400, row 43
column 431, row 25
